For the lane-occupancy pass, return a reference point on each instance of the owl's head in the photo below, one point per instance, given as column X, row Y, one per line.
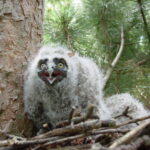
column 52, row 71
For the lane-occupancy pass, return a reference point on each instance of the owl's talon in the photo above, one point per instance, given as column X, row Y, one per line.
column 72, row 124
column 90, row 111
column 45, row 125
column 71, row 114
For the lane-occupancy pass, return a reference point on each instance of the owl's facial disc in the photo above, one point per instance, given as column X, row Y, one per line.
column 52, row 72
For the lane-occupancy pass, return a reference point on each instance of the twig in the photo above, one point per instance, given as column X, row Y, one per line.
column 79, row 128
column 10, row 136
column 67, row 139
column 140, row 143
column 125, row 114
column 86, row 126
column 76, row 120
column 14, row 142
column 90, row 133
column 133, row 121
column 89, row 115
column 130, row 135
column 60, row 141
column 71, row 114
column 83, row 129
column 110, row 131
column 74, row 147
column 109, row 71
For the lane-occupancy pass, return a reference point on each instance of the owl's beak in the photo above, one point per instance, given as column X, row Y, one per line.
column 47, row 77
column 51, row 80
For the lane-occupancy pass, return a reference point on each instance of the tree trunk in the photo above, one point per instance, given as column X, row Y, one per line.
column 20, row 36
column 144, row 20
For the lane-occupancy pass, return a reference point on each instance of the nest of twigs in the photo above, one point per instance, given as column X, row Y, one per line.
column 85, row 133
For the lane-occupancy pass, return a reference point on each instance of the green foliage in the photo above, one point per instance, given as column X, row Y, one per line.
column 93, row 29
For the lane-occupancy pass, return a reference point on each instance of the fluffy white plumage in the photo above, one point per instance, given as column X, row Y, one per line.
column 52, row 103
column 81, row 85
column 119, row 102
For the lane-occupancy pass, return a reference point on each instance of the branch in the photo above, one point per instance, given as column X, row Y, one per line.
column 130, row 135
column 54, row 140
column 75, row 120
column 125, row 113
column 106, row 131
column 71, row 138
column 79, row 128
column 61, row 141
column 5, row 135
column 134, row 121
column 86, row 126
column 109, row 71
column 25, row 142
column 82, row 130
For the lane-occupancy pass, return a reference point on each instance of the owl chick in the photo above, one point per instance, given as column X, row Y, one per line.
column 124, row 107
column 56, row 81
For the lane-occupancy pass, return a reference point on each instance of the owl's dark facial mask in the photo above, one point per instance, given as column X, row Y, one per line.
column 54, row 72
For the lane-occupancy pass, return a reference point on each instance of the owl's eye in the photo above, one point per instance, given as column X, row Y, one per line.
column 60, row 65
column 43, row 66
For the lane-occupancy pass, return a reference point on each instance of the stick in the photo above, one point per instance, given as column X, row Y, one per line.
column 125, row 114
column 130, row 135
column 110, row 131
column 79, row 128
column 88, row 115
column 133, row 121
column 85, row 129
column 76, row 120
column 6, row 135
column 60, row 141
column 14, row 142
column 86, row 126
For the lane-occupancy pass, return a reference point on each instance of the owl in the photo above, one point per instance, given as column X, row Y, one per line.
column 120, row 103
column 56, row 80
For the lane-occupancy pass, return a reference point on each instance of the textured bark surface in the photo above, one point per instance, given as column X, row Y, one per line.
column 20, row 36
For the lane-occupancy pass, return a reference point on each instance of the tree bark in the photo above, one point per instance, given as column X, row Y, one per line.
column 144, row 20
column 20, row 36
